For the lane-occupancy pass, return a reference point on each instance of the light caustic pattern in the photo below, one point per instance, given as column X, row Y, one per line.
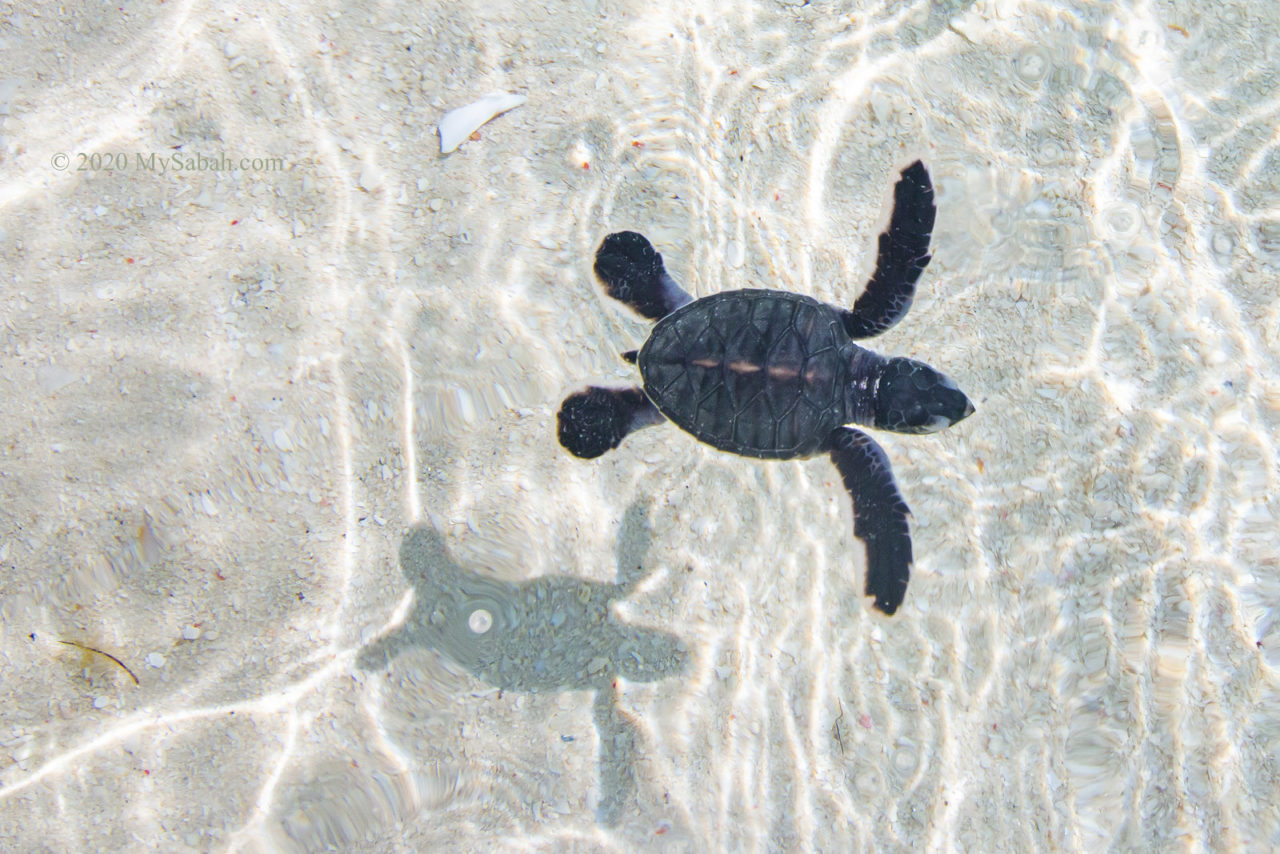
column 666, row 645
column 1093, row 626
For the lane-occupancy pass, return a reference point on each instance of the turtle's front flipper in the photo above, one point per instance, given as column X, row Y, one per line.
column 597, row 419
column 632, row 272
column 904, row 253
column 879, row 514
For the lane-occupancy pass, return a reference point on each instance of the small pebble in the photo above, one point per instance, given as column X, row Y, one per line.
column 735, row 254
column 282, row 440
column 190, row 633
column 435, row 204
column 154, row 659
column 480, row 621
column 369, row 179
column 880, row 107
column 100, row 702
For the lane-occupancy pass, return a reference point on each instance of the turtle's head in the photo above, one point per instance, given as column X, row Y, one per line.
column 914, row 398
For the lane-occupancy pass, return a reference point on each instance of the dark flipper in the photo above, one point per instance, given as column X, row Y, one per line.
column 632, row 272
column 879, row 514
column 904, row 253
column 597, row 419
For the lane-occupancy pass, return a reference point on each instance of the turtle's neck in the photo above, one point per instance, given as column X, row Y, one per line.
column 861, row 385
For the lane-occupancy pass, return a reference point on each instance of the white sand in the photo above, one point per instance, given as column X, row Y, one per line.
column 229, row 393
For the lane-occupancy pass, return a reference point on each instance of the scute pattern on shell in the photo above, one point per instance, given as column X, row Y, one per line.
column 754, row 372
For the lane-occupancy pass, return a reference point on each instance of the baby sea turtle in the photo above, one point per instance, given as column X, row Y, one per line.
column 777, row 375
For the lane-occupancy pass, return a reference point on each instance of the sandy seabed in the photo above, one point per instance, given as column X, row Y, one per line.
column 290, row 559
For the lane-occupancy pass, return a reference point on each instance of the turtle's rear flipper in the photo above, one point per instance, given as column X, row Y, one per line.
column 904, row 253
column 597, row 419
column 632, row 272
column 879, row 514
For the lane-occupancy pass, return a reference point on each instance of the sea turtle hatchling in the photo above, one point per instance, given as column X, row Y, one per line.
column 777, row 375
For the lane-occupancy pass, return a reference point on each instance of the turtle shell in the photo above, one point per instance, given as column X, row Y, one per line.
column 754, row 372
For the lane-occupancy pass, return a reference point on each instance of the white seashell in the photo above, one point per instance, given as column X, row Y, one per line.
column 51, row 378
column 456, row 125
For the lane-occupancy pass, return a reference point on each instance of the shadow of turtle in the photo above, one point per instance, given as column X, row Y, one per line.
column 550, row 634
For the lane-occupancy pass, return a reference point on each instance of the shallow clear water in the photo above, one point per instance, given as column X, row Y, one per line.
column 279, row 432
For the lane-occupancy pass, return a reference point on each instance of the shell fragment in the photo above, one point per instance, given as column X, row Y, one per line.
column 456, row 125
